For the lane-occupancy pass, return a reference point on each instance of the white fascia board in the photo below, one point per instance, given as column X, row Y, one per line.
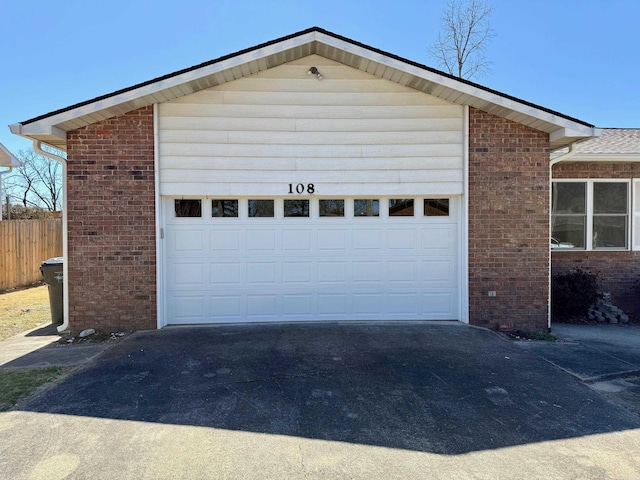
column 32, row 131
column 574, row 131
column 8, row 159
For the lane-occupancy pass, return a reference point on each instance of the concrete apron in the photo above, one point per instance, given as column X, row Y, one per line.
column 319, row 401
column 39, row 347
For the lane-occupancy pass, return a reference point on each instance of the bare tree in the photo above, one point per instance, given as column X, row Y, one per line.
column 37, row 183
column 466, row 32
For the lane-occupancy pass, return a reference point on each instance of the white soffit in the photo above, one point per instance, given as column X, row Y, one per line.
column 51, row 128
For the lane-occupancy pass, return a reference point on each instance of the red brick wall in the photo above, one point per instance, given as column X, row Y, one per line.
column 111, row 214
column 508, row 223
column 618, row 272
column 596, row 170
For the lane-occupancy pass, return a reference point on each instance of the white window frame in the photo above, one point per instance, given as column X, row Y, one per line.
column 633, row 217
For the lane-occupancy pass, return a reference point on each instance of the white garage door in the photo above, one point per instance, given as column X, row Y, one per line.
column 296, row 259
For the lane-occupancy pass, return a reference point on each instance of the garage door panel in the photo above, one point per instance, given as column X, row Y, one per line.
column 402, row 271
column 226, row 273
column 296, row 240
column 402, row 239
column 332, row 272
column 368, row 271
column 189, row 240
column 188, row 308
column 333, row 304
column 191, row 274
column 262, row 306
column 225, row 240
column 228, row 307
column 402, row 305
column 366, row 304
column 298, row 305
column 261, row 240
column 262, row 273
column 332, row 239
column 437, row 305
column 438, row 238
column 439, row 271
column 297, row 272
column 366, row 239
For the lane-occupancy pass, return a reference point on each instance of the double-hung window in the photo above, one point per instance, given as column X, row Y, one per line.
column 591, row 214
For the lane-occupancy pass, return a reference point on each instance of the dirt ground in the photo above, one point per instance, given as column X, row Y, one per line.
column 23, row 310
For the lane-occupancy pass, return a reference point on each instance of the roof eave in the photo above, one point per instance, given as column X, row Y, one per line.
column 49, row 134
column 8, row 159
column 565, row 136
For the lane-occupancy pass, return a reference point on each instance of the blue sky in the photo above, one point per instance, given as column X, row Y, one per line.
column 579, row 57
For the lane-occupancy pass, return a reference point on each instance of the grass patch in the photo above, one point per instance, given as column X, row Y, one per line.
column 542, row 336
column 18, row 384
column 23, row 310
column 545, row 337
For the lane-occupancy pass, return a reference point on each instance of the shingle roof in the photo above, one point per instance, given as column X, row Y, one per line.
column 613, row 141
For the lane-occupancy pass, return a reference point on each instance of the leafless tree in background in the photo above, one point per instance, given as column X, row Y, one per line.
column 37, row 183
column 466, row 32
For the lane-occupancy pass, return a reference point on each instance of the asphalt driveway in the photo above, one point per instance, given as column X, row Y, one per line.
column 320, row 401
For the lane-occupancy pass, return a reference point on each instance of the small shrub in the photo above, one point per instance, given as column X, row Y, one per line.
column 572, row 294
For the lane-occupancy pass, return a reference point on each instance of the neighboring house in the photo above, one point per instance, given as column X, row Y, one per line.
column 8, row 162
column 596, row 214
column 309, row 178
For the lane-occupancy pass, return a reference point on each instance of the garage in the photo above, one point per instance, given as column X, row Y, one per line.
column 311, row 177
column 296, row 259
column 285, row 197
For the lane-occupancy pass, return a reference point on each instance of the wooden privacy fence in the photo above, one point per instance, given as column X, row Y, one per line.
column 24, row 245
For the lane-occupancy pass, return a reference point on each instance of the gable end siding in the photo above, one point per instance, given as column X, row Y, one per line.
column 111, row 217
column 508, row 223
column 351, row 134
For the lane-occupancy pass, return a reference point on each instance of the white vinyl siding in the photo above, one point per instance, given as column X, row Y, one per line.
column 350, row 133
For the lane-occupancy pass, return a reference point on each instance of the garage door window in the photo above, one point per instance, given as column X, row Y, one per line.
column 261, row 208
column 331, row 208
column 401, row 207
column 296, row 208
column 224, row 208
column 366, row 208
column 436, row 207
column 188, row 208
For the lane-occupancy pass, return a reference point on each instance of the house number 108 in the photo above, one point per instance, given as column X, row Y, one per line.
column 301, row 188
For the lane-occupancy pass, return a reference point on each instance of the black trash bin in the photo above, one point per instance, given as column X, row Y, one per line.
column 52, row 273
